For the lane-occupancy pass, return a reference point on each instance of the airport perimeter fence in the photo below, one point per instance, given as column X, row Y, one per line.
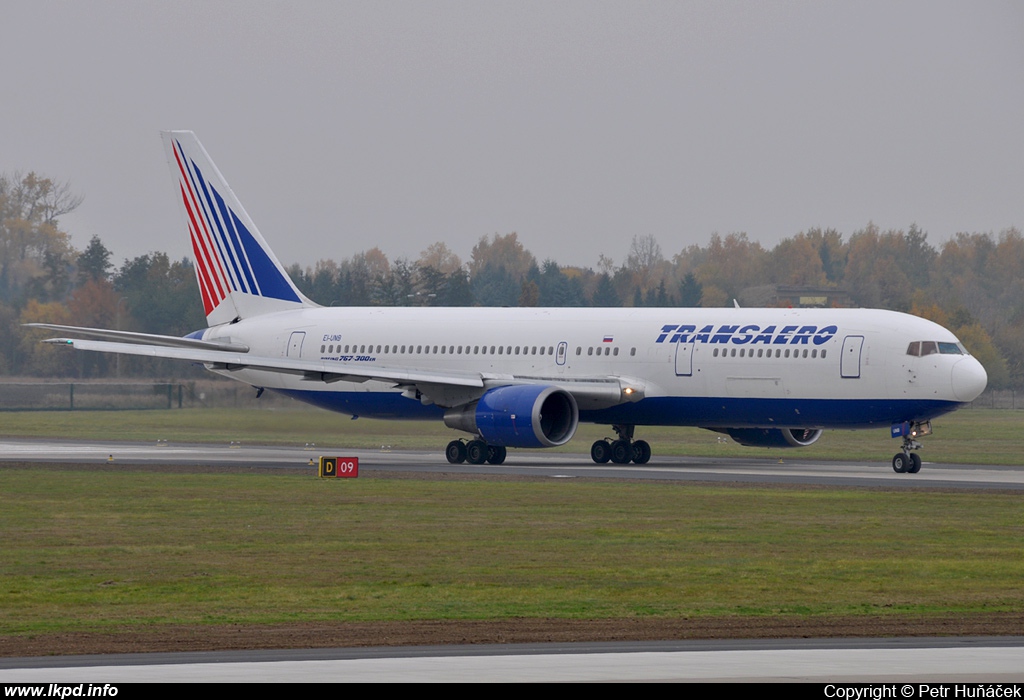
column 25, row 395
column 123, row 396
column 999, row 398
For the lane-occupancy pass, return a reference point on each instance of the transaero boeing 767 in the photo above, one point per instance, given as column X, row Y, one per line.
column 526, row 377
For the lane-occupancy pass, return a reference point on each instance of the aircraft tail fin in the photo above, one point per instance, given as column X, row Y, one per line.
column 238, row 274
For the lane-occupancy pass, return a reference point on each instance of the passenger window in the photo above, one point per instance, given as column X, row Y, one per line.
column 632, row 352
column 615, row 352
column 714, row 353
column 590, row 351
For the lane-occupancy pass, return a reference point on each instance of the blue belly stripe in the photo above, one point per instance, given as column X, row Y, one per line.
column 704, row 412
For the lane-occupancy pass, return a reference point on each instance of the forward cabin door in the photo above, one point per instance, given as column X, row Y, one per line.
column 849, row 362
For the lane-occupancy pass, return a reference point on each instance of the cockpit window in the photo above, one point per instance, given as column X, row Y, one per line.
column 930, row 347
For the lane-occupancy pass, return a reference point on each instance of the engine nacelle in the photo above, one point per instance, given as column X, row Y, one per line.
column 774, row 437
column 519, row 416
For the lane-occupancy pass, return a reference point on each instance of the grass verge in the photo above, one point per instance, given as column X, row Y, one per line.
column 95, row 549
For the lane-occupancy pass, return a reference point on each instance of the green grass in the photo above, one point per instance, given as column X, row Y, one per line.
column 86, row 550
column 975, row 436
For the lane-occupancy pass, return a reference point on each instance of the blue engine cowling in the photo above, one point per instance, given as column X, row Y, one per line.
column 774, row 437
column 519, row 416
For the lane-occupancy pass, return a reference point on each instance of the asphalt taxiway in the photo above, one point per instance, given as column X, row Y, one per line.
column 902, row 661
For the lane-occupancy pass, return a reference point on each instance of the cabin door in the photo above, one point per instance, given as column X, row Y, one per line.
column 849, row 362
column 684, row 359
column 295, row 344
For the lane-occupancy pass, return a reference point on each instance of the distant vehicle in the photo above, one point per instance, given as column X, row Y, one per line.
column 526, row 377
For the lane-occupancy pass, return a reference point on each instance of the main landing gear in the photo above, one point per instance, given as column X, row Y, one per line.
column 907, row 461
column 474, row 452
column 621, row 451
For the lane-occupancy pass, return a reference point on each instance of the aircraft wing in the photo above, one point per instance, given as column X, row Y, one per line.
column 446, row 387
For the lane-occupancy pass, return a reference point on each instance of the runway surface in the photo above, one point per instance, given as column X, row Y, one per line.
column 970, row 660
column 528, row 463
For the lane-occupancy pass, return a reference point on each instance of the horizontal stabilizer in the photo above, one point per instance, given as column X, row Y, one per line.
column 170, row 341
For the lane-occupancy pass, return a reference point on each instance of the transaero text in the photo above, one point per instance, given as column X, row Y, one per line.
column 750, row 333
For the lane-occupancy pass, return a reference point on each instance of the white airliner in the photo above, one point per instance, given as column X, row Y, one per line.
column 526, row 377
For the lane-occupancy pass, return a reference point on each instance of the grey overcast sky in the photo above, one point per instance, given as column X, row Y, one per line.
column 345, row 125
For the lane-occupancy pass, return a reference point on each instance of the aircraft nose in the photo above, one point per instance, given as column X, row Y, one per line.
column 969, row 379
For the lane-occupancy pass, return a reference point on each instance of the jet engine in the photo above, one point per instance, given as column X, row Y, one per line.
column 774, row 437
column 519, row 416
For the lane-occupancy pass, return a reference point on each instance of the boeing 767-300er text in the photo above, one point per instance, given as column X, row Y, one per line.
column 526, row 377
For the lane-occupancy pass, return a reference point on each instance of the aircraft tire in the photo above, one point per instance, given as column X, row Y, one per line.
column 622, row 452
column 915, row 463
column 641, row 452
column 455, row 452
column 601, row 452
column 477, row 452
column 496, row 454
column 900, row 463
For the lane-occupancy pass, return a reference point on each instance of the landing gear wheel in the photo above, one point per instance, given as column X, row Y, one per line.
column 496, row 454
column 477, row 452
column 900, row 463
column 641, row 452
column 622, row 452
column 915, row 463
column 455, row 452
column 601, row 452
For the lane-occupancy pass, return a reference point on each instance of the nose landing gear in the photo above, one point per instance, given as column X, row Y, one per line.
column 907, row 461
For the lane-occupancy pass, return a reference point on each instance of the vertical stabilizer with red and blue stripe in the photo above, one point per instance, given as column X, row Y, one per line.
column 239, row 276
